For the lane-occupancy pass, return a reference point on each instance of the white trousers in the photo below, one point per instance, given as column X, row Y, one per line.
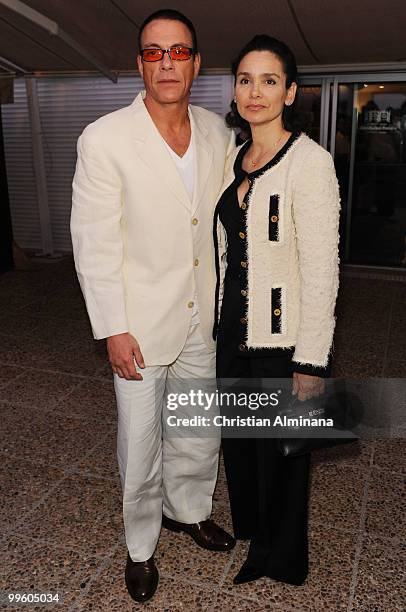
column 159, row 470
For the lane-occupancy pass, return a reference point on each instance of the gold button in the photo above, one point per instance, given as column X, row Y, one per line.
column 241, row 235
column 244, row 292
column 196, row 262
column 195, row 221
column 243, row 205
column 242, row 347
column 277, row 312
column 274, row 218
column 243, row 320
column 190, row 304
column 243, row 264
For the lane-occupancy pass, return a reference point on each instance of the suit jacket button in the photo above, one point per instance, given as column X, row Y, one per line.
column 241, row 235
column 242, row 347
column 274, row 218
column 243, row 264
column 190, row 304
column 244, row 293
column 196, row 262
column 243, row 320
column 195, row 221
column 277, row 312
column 243, row 205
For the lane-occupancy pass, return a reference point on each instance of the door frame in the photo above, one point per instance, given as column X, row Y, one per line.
column 328, row 122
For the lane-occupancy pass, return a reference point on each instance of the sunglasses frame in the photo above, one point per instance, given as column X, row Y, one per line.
column 176, row 59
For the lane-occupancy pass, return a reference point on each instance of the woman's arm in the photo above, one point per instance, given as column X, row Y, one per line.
column 316, row 206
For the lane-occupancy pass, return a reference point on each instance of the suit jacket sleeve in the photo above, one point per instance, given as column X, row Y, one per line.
column 97, row 239
column 316, row 206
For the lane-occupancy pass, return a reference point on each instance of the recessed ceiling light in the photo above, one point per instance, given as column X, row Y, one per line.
column 365, row 85
column 381, row 86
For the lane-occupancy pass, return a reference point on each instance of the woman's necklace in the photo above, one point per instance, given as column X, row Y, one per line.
column 254, row 162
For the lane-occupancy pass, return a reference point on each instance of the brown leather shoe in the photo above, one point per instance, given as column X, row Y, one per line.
column 141, row 578
column 206, row 533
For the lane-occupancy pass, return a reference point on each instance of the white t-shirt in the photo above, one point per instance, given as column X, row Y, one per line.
column 186, row 168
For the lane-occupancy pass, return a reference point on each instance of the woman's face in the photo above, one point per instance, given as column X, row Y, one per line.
column 260, row 88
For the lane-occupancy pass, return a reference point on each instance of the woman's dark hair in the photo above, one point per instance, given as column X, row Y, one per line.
column 170, row 15
column 263, row 42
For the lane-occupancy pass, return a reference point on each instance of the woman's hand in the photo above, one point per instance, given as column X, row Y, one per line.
column 306, row 386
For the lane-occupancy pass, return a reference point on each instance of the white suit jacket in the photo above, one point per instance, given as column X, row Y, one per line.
column 136, row 235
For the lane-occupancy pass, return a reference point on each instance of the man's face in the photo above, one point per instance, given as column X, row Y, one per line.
column 167, row 81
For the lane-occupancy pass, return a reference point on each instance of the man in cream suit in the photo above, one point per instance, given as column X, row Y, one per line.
column 144, row 191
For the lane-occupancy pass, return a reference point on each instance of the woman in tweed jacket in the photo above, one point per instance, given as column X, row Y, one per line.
column 276, row 238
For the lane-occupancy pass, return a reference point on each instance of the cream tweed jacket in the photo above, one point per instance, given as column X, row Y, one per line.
column 292, row 262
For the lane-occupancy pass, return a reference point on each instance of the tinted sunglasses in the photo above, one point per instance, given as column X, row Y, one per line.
column 179, row 54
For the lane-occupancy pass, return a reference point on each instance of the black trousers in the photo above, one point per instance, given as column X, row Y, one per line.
column 268, row 492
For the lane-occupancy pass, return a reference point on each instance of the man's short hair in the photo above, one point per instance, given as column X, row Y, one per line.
column 171, row 15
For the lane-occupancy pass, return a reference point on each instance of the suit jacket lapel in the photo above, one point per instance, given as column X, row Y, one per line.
column 154, row 154
column 203, row 157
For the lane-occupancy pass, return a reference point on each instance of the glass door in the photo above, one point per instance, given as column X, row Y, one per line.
column 369, row 147
column 308, row 109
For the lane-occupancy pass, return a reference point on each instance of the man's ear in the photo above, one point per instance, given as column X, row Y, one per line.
column 197, row 61
column 140, row 64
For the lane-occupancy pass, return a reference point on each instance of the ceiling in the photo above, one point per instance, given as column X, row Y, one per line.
column 102, row 34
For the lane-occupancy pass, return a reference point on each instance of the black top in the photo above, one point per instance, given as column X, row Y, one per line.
column 233, row 321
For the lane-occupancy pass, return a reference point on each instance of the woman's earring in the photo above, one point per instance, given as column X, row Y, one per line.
column 235, row 100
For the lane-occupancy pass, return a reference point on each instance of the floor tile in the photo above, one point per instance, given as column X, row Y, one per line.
column 8, row 374
column 23, row 351
column 18, row 325
column 327, row 587
column 91, row 400
column 53, row 306
column 14, row 300
column 105, row 372
column 221, row 491
column 349, row 364
column 49, row 438
column 85, row 358
column 396, row 349
column 393, row 406
column 60, row 427
column 179, row 556
column 394, row 368
column 381, row 578
column 336, row 494
column 102, row 461
column 109, row 592
column 357, row 454
column 221, row 515
column 37, row 567
column 391, row 455
column 355, row 344
column 83, row 512
column 39, row 389
column 22, row 484
column 385, row 511
column 366, row 288
column 225, row 602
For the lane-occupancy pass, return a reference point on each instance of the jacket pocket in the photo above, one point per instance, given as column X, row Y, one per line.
column 274, row 218
column 277, row 310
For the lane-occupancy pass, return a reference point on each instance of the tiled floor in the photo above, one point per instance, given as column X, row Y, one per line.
column 60, row 505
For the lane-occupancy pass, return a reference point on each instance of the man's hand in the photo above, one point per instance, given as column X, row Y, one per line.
column 306, row 386
column 123, row 349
